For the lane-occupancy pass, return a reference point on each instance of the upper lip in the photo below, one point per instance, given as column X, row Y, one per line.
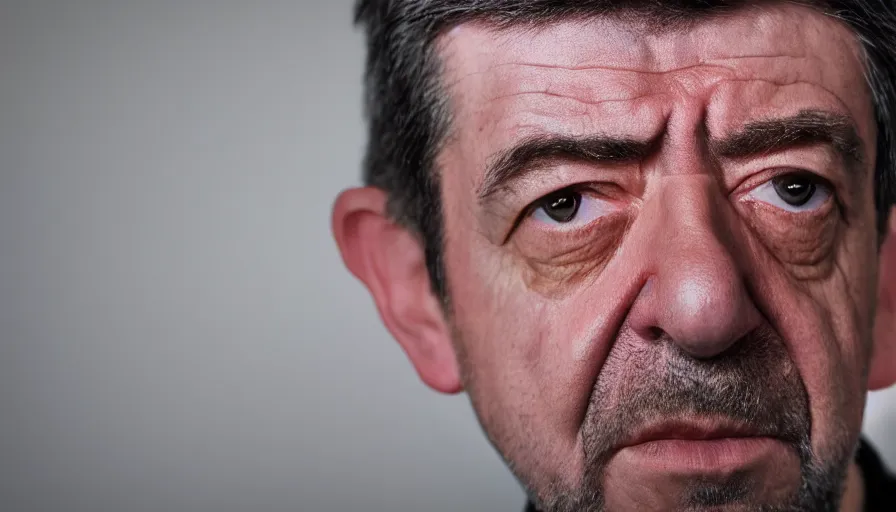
column 690, row 429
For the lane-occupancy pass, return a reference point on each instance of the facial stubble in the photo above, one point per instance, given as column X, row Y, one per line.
column 754, row 383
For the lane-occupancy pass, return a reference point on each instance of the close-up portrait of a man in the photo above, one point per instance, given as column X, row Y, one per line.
column 652, row 241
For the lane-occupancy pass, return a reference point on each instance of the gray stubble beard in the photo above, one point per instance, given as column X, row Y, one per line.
column 755, row 383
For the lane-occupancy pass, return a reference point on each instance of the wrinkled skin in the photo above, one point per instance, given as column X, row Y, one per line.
column 683, row 288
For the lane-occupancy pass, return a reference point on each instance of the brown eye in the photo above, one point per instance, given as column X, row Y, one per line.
column 561, row 206
column 794, row 189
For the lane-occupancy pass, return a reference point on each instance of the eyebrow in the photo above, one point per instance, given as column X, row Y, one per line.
column 520, row 160
column 807, row 128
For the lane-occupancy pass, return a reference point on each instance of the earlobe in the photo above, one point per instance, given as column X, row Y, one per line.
column 389, row 260
column 883, row 365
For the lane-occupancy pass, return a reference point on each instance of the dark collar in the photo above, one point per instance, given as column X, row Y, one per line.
column 880, row 485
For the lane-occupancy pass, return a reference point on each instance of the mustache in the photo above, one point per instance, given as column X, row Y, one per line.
column 754, row 384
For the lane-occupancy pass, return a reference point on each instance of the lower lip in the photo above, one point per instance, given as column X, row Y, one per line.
column 707, row 455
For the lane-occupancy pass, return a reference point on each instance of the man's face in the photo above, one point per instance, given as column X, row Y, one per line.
column 660, row 252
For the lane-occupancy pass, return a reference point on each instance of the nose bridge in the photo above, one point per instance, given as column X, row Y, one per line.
column 691, row 222
column 696, row 292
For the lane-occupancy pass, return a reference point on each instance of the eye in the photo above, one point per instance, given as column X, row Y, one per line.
column 561, row 206
column 569, row 207
column 794, row 192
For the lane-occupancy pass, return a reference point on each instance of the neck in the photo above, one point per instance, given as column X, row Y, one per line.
column 854, row 495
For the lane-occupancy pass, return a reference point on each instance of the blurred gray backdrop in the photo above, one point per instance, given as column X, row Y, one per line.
column 177, row 332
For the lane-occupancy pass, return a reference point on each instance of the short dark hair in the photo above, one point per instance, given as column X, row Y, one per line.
column 408, row 109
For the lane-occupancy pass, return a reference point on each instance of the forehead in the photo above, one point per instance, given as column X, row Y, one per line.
column 601, row 75
column 625, row 41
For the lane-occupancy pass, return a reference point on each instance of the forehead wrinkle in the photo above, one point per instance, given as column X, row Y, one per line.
column 505, row 38
column 591, row 67
column 783, row 83
column 553, row 111
column 713, row 62
column 534, row 129
column 595, row 88
column 562, row 96
column 524, row 41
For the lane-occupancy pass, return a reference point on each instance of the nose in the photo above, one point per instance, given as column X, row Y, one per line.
column 696, row 292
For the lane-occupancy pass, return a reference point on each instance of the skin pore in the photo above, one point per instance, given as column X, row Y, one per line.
column 640, row 317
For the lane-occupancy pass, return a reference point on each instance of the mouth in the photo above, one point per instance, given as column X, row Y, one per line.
column 691, row 429
column 700, row 445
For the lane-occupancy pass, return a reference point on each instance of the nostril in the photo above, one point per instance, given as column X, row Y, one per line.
column 655, row 333
column 705, row 351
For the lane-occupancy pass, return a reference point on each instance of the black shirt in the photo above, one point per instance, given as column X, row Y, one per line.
column 880, row 485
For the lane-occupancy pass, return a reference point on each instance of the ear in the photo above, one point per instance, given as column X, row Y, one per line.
column 883, row 365
column 389, row 260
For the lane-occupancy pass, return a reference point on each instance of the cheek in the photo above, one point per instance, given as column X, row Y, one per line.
column 849, row 297
column 802, row 243
column 499, row 327
column 826, row 324
column 554, row 266
column 512, row 338
column 519, row 363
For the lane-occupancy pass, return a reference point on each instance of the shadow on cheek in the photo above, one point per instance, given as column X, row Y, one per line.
column 805, row 243
column 555, row 262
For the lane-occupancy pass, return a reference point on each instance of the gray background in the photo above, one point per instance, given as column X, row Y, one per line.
column 177, row 332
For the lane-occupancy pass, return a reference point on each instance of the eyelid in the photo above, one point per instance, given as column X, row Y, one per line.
column 585, row 189
column 820, row 160
column 766, row 193
column 590, row 191
column 762, row 184
column 748, row 184
column 534, row 205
